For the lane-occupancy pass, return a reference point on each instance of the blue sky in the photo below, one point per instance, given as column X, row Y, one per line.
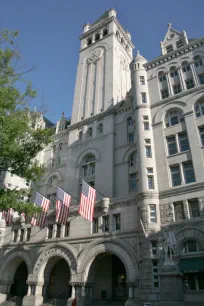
column 49, row 31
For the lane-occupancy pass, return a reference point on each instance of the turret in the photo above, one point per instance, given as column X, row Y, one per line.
column 149, row 203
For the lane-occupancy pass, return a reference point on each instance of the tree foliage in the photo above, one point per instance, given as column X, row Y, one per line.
column 19, row 142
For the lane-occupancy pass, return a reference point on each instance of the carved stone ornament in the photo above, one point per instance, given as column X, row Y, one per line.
column 94, row 56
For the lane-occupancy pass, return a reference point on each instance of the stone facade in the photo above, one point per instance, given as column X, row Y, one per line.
column 137, row 135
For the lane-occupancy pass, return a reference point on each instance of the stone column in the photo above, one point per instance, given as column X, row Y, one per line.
column 5, row 286
column 25, row 234
column 18, row 235
column 34, row 295
column 183, row 84
column 169, row 84
column 73, row 295
column 132, row 299
column 54, row 231
column 62, row 232
column 195, row 78
column 186, row 210
column 201, row 206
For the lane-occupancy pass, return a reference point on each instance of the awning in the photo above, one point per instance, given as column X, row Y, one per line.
column 190, row 265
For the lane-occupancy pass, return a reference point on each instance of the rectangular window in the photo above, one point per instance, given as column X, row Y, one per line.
column 174, row 73
column 178, row 211
column 201, row 78
column 155, row 274
column 183, row 142
column 189, row 83
column 169, row 48
column 162, row 78
column 67, row 229
column 172, row 146
column 153, row 215
column 194, row 208
column 28, row 234
column 194, row 281
column 143, row 96
column 142, row 80
column 145, row 117
column 130, row 137
column 95, row 226
column 106, row 224
column 164, row 93
column 22, row 234
column 154, row 247
column 175, row 175
column 179, row 43
column 201, row 131
column 148, row 151
column 133, row 182
column 149, row 170
column 186, row 68
column 177, row 88
column 15, row 235
column 188, row 172
column 146, row 126
column 27, row 182
column 116, row 220
column 50, row 230
column 58, row 231
column 58, row 160
column 150, row 181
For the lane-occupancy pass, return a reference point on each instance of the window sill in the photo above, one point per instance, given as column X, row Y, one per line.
column 179, row 153
column 182, row 185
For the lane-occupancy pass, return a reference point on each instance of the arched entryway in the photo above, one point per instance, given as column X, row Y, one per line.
column 19, row 286
column 107, row 275
column 57, row 278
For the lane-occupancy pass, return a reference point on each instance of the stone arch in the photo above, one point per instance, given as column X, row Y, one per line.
column 120, row 249
column 194, row 233
column 88, row 151
column 159, row 116
column 54, row 252
column 127, row 154
column 11, row 261
column 55, row 173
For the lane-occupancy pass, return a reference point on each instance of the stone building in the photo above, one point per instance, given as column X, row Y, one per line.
column 137, row 136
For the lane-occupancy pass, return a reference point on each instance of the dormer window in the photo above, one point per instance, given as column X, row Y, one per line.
column 89, row 41
column 97, row 36
column 105, row 32
column 169, row 48
column 180, row 43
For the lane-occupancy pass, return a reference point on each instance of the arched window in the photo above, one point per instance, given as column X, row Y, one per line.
column 199, row 108
column 186, row 66
column 105, row 32
column 97, row 36
column 198, row 61
column 88, row 166
column 52, row 182
column 80, row 135
column 117, row 34
column 60, row 146
column 100, row 128
column 132, row 160
column 175, row 80
column 173, row 117
column 127, row 47
column 122, row 41
column 130, row 121
column 89, row 41
column 163, row 85
column 90, row 132
column 191, row 246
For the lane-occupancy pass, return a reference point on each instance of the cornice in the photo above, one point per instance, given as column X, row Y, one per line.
column 198, row 88
column 124, row 33
column 98, row 26
column 174, row 54
column 181, row 190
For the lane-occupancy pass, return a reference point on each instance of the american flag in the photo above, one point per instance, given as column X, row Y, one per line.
column 88, row 196
column 63, row 200
column 39, row 218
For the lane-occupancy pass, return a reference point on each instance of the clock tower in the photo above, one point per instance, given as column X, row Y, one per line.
column 103, row 74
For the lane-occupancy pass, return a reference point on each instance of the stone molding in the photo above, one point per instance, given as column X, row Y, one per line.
column 189, row 233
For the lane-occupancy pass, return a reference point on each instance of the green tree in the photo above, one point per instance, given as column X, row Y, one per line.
column 19, row 142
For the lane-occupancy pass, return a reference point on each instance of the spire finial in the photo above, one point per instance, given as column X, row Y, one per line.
column 138, row 52
column 169, row 25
